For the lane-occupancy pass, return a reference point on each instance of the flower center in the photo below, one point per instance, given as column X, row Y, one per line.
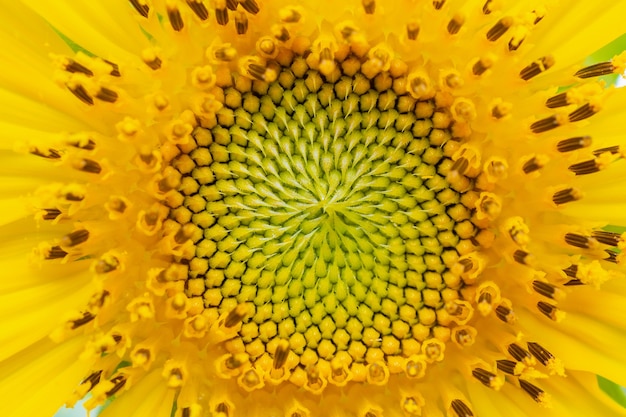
column 335, row 224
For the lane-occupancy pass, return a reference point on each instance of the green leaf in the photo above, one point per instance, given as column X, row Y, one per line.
column 612, row 390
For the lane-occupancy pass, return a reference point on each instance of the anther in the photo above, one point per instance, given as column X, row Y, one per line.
column 583, row 112
column 281, row 354
column 369, row 6
column 92, row 379
column 106, row 264
column 280, row 32
column 500, row 110
column 499, row 28
column 118, row 383
column 412, row 30
column 175, row 18
column 106, row 94
column 75, row 67
column 566, row 196
column 611, row 149
column 573, row 144
column 546, row 124
column 438, row 4
column 455, row 24
column 141, row 7
column 487, row 7
column 482, row 65
column 241, row 23
column 549, row 310
column 580, row 241
column 232, row 4
column 586, row 167
column 461, row 409
column 81, row 93
column 535, row 392
column 115, row 69
column 75, row 238
column 151, row 59
column 559, row 100
column 596, row 70
column 536, row 67
column 488, row 379
column 540, row 353
column 236, row 316
column 520, row 354
column 508, row 367
column 534, row 164
column 221, row 12
column 522, row 257
column 250, row 6
column 547, row 290
column 50, row 213
column 45, row 153
column 607, row 238
column 224, row 53
column 198, row 8
column 55, row 252
column 505, row 314
column 571, row 271
column 88, row 165
column 86, row 318
column 235, row 361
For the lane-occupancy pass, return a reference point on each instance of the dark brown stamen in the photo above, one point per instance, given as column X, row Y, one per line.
column 566, row 196
column 574, row 282
column 484, row 376
column 74, row 197
column 579, row 241
column 455, row 24
column 81, row 94
column 118, row 383
column 461, row 409
column 480, row 67
column 573, row 144
column 507, row 366
column 607, row 238
column 75, row 238
column 583, row 112
column 499, row 29
column 199, row 9
column 532, row 390
column 92, row 167
column 155, row 64
column 611, row 149
column 521, row 257
column 487, row 7
column 559, row 100
column 142, row 9
column 241, row 23
column 55, row 252
column 232, row 4
column 611, row 256
column 540, row 353
column 515, row 43
column 532, row 165
column 546, row 124
column 586, row 167
column 51, row 213
column 176, row 19
column 505, row 314
column 92, row 379
column 74, row 67
column 596, row 70
column 250, row 6
column 571, row 271
column 544, row 288
column 107, row 95
column 369, row 6
column 236, row 316
column 48, row 154
column 86, row 318
column 186, row 412
column 547, row 309
column 438, row 4
column 115, row 69
column 536, row 68
column 280, row 357
column 412, row 30
column 221, row 16
column 518, row 353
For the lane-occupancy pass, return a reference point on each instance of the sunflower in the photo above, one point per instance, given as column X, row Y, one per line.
column 299, row 209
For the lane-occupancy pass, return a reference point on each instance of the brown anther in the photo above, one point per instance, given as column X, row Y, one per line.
column 499, row 29
column 234, row 361
column 485, row 377
column 438, row 4
column 55, row 252
column 533, row 164
column 81, row 93
column 583, row 112
column 92, row 379
column 236, row 316
column 118, row 382
column 455, row 24
column 482, row 65
column 250, row 6
column 589, row 166
column 281, row 354
column 566, row 196
column 546, row 289
column 571, row 271
column 507, row 366
column 221, row 13
column 86, row 318
column 461, row 409
column 223, row 408
column 225, row 53
column 198, row 8
column 106, row 264
column 487, row 7
column 152, row 60
column 540, row 353
column 412, row 30
column 232, row 4
column 612, row 256
column 461, row 165
column 115, row 69
column 141, row 7
column 505, row 314
column 596, row 70
column 280, row 32
column 559, row 100
column 76, row 67
column 539, row 15
column 548, row 310
column 45, row 153
column 580, row 241
column 175, row 18
column 500, row 110
column 50, row 213
column 537, row 67
column 573, row 144
column 607, row 238
column 106, row 94
column 535, row 392
column 241, row 23
column 519, row 353
column 522, row 257
column 88, row 165
column 75, row 238
column 83, row 143
column 546, row 124
column 515, row 43
column 73, row 197
column 611, row 149
column 369, row 6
